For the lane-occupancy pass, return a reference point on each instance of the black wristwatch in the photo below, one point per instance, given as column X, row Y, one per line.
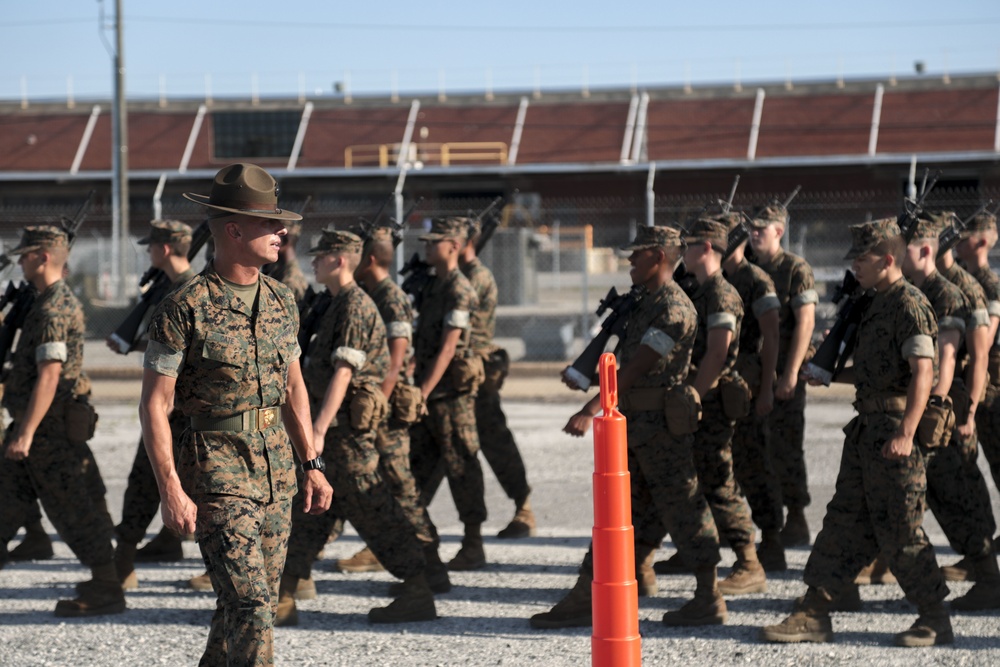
column 315, row 464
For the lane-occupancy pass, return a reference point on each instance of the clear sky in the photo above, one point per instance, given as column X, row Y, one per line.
column 282, row 48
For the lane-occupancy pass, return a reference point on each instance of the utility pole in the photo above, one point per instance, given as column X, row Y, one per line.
column 120, row 149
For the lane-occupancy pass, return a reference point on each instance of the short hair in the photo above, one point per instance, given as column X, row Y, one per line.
column 894, row 245
column 181, row 247
column 382, row 250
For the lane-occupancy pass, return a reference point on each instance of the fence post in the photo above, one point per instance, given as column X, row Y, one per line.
column 615, row 641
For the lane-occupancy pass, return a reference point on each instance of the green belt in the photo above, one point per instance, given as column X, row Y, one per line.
column 255, row 419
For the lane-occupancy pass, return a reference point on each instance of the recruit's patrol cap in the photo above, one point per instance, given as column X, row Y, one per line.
column 293, row 228
column 447, row 228
column 334, row 240
column 712, row 231
column 40, row 236
column 731, row 220
column 926, row 229
column 935, row 222
column 166, row 231
column 982, row 222
column 772, row 214
column 244, row 189
column 653, row 237
column 866, row 236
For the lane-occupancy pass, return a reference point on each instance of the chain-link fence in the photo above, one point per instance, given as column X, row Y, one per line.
column 554, row 259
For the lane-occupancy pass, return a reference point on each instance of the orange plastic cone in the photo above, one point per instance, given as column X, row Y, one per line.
column 615, row 641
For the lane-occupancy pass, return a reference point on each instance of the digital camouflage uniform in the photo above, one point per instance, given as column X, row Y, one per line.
column 63, row 475
column 752, row 463
column 289, row 273
column 719, row 306
column 352, row 332
column 230, row 357
column 393, row 436
column 448, row 431
column 879, row 504
column 956, row 492
column 988, row 413
column 796, row 287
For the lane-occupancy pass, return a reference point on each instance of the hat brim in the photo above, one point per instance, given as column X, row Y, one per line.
column 20, row 250
column 145, row 240
column 277, row 214
column 437, row 237
column 854, row 253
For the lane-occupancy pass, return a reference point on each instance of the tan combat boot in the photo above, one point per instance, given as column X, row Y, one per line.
column 522, row 525
column 416, row 603
column 931, row 628
column 747, row 575
column 771, row 552
column 471, row 556
column 809, row 623
column 986, row 593
column 203, row 582
column 963, row 570
column 287, row 614
column 165, row 547
column 796, row 530
column 876, row 574
column 575, row 610
column 644, row 574
column 125, row 566
column 101, row 595
column 36, row 545
column 363, row 561
column 706, row 608
column 306, row 590
column 673, row 565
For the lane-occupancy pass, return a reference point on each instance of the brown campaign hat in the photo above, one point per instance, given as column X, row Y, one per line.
column 772, row 214
column 653, row 237
column 166, row 231
column 866, row 236
column 447, row 228
column 244, row 189
column 712, row 231
column 40, row 236
column 333, row 240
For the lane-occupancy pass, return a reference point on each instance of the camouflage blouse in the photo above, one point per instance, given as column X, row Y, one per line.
column 447, row 302
column 53, row 330
column 719, row 306
column 973, row 291
column 898, row 324
column 796, row 287
column 397, row 314
column 756, row 289
column 484, row 318
column 666, row 322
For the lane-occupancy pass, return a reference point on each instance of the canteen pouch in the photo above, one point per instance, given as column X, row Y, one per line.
column 937, row 423
column 81, row 421
column 466, row 373
column 961, row 402
column 682, row 409
column 735, row 395
column 405, row 403
column 368, row 407
column 496, row 365
column 749, row 368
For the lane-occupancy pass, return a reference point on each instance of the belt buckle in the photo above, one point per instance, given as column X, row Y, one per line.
column 266, row 418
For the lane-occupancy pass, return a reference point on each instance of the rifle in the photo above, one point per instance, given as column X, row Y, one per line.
column 22, row 295
column 950, row 236
column 155, row 284
column 489, row 225
column 907, row 220
column 838, row 345
column 583, row 371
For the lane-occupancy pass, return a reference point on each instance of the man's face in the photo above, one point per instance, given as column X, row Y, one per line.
column 440, row 250
column 324, row 266
column 31, row 264
column 693, row 253
column 261, row 237
column 157, row 254
column 911, row 259
column 645, row 263
column 869, row 269
column 765, row 240
column 966, row 248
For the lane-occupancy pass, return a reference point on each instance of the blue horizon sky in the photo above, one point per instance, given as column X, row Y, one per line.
column 306, row 46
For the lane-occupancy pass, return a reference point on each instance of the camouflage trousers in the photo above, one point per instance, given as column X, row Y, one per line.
column 755, row 473
column 786, row 427
column 665, row 493
column 713, row 462
column 499, row 449
column 392, row 440
column 64, row 476
column 958, row 497
column 988, row 426
column 877, row 508
column 448, row 434
column 243, row 545
column 361, row 496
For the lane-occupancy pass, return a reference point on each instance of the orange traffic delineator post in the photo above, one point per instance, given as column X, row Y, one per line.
column 615, row 593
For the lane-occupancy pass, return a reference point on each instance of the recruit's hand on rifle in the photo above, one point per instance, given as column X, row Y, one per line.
column 18, row 448
column 569, row 380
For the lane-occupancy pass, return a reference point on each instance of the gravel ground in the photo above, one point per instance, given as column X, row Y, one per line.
column 484, row 618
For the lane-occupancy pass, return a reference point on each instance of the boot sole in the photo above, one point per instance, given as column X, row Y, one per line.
column 516, row 533
column 367, row 567
column 64, row 609
column 680, row 622
column 414, row 617
column 396, row 589
column 746, row 590
column 798, row 637
column 919, row 642
column 540, row 623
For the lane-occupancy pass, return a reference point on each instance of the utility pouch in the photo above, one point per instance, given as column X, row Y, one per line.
column 466, row 372
column 405, row 403
column 496, row 366
column 81, row 421
column 937, row 423
column 749, row 368
column 961, row 402
column 682, row 409
column 735, row 395
column 368, row 407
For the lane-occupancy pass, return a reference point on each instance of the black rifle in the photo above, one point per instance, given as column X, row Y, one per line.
column 22, row 295
column 908, row 219
column 154, row 285
column 838, row 345
column 583, row 371
column 951, row 235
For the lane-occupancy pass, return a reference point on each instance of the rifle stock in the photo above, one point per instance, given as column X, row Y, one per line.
column 838, row 345
column 583, row 370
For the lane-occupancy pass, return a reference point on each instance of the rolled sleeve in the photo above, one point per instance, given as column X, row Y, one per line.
column 162, row 359
column 765, row 303
column 804, row 298
column 53, row 351
column 993, row 308
column 722, row 321
column 979, row 318
column 400, row 330
column 356, row 358
column 951, row 323
column 920, row 345
column 658, row 341
column 457, row 319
